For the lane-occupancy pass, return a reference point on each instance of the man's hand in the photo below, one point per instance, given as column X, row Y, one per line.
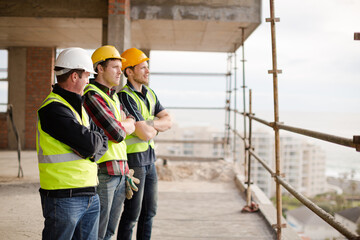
column 123, row 115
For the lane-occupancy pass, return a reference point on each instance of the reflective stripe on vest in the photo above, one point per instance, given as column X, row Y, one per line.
column 59, row 166
column 135, row 144
column 116, row 151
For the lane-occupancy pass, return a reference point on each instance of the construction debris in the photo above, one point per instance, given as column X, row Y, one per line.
column 208, row 171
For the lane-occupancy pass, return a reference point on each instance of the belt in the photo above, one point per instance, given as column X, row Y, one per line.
column 68, row 193
column 113, row 167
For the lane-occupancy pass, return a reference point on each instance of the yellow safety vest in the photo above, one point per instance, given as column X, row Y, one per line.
column 135, row 144
column 59, row 166
column 116, row 151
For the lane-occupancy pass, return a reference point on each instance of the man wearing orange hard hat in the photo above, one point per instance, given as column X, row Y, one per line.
column 150, row 119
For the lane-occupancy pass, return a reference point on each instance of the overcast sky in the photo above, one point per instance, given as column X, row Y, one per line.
column 318, row 90
column 316, row 50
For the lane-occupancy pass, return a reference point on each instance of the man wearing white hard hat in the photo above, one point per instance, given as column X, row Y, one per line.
column 68, row 146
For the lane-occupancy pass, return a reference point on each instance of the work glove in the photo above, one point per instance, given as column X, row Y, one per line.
column 130, row 184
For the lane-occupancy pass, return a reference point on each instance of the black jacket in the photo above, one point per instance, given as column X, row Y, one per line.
column 59, row 121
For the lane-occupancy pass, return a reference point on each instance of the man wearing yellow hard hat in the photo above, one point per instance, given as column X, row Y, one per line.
column 103, row 106
column 151, row 118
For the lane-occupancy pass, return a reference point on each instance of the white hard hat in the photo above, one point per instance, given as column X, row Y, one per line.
column 74, row 58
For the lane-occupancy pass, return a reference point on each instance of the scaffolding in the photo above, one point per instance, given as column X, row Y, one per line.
column 232, row 132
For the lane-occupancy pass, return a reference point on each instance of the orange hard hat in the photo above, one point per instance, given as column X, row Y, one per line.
column 133, row 57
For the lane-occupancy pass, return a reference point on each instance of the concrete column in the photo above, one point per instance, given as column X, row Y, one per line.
column 119, row 24
column 4, row 131
column 39, row 78
column 17, row 93
column 118, row 27
column 147, row 53
column 30, row 76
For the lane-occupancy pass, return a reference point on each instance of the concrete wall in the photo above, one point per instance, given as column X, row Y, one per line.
column 17, row 91
column 203, row 10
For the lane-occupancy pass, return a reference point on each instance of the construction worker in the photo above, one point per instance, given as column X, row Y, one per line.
column 103, row 106
column 68, row 145
column 151, row 118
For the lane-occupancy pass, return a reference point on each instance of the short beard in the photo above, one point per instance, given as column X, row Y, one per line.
column 140, row 81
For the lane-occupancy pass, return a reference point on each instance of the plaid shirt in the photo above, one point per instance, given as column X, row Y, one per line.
column 103, row 117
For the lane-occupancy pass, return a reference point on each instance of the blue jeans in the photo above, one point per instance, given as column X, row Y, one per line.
column 111, row 191
column 142, row 207
column 70, row 218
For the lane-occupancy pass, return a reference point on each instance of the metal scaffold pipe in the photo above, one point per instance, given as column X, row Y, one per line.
column 248, row 196
column 228, row 102
column 235, row 103
column 275, row 72
column 244, row 100
column 308, row 203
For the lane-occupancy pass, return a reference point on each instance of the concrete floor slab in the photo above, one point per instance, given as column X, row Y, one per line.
column 186, row 209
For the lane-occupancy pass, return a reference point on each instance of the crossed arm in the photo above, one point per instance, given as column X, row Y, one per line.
column 147, row 130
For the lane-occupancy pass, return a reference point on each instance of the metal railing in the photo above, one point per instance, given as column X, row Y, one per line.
column 277, row 126
column 353, row 143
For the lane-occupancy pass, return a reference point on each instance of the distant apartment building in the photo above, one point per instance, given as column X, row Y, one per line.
column 201, row 141
column 314, row 169
column 263, row 144
column 302, row 164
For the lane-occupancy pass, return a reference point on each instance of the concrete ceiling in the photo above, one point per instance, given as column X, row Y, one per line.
column 200, row 27
column 50, row 32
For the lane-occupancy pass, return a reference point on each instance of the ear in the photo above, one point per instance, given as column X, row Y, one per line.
column 129, row 71
column 99, row 68
column 74, row 76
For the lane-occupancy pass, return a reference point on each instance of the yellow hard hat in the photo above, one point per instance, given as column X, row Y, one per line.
column 105, row 52
column 133, row 57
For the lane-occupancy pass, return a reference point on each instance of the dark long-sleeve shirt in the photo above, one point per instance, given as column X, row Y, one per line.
column 60, row 122
column 141, row 158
